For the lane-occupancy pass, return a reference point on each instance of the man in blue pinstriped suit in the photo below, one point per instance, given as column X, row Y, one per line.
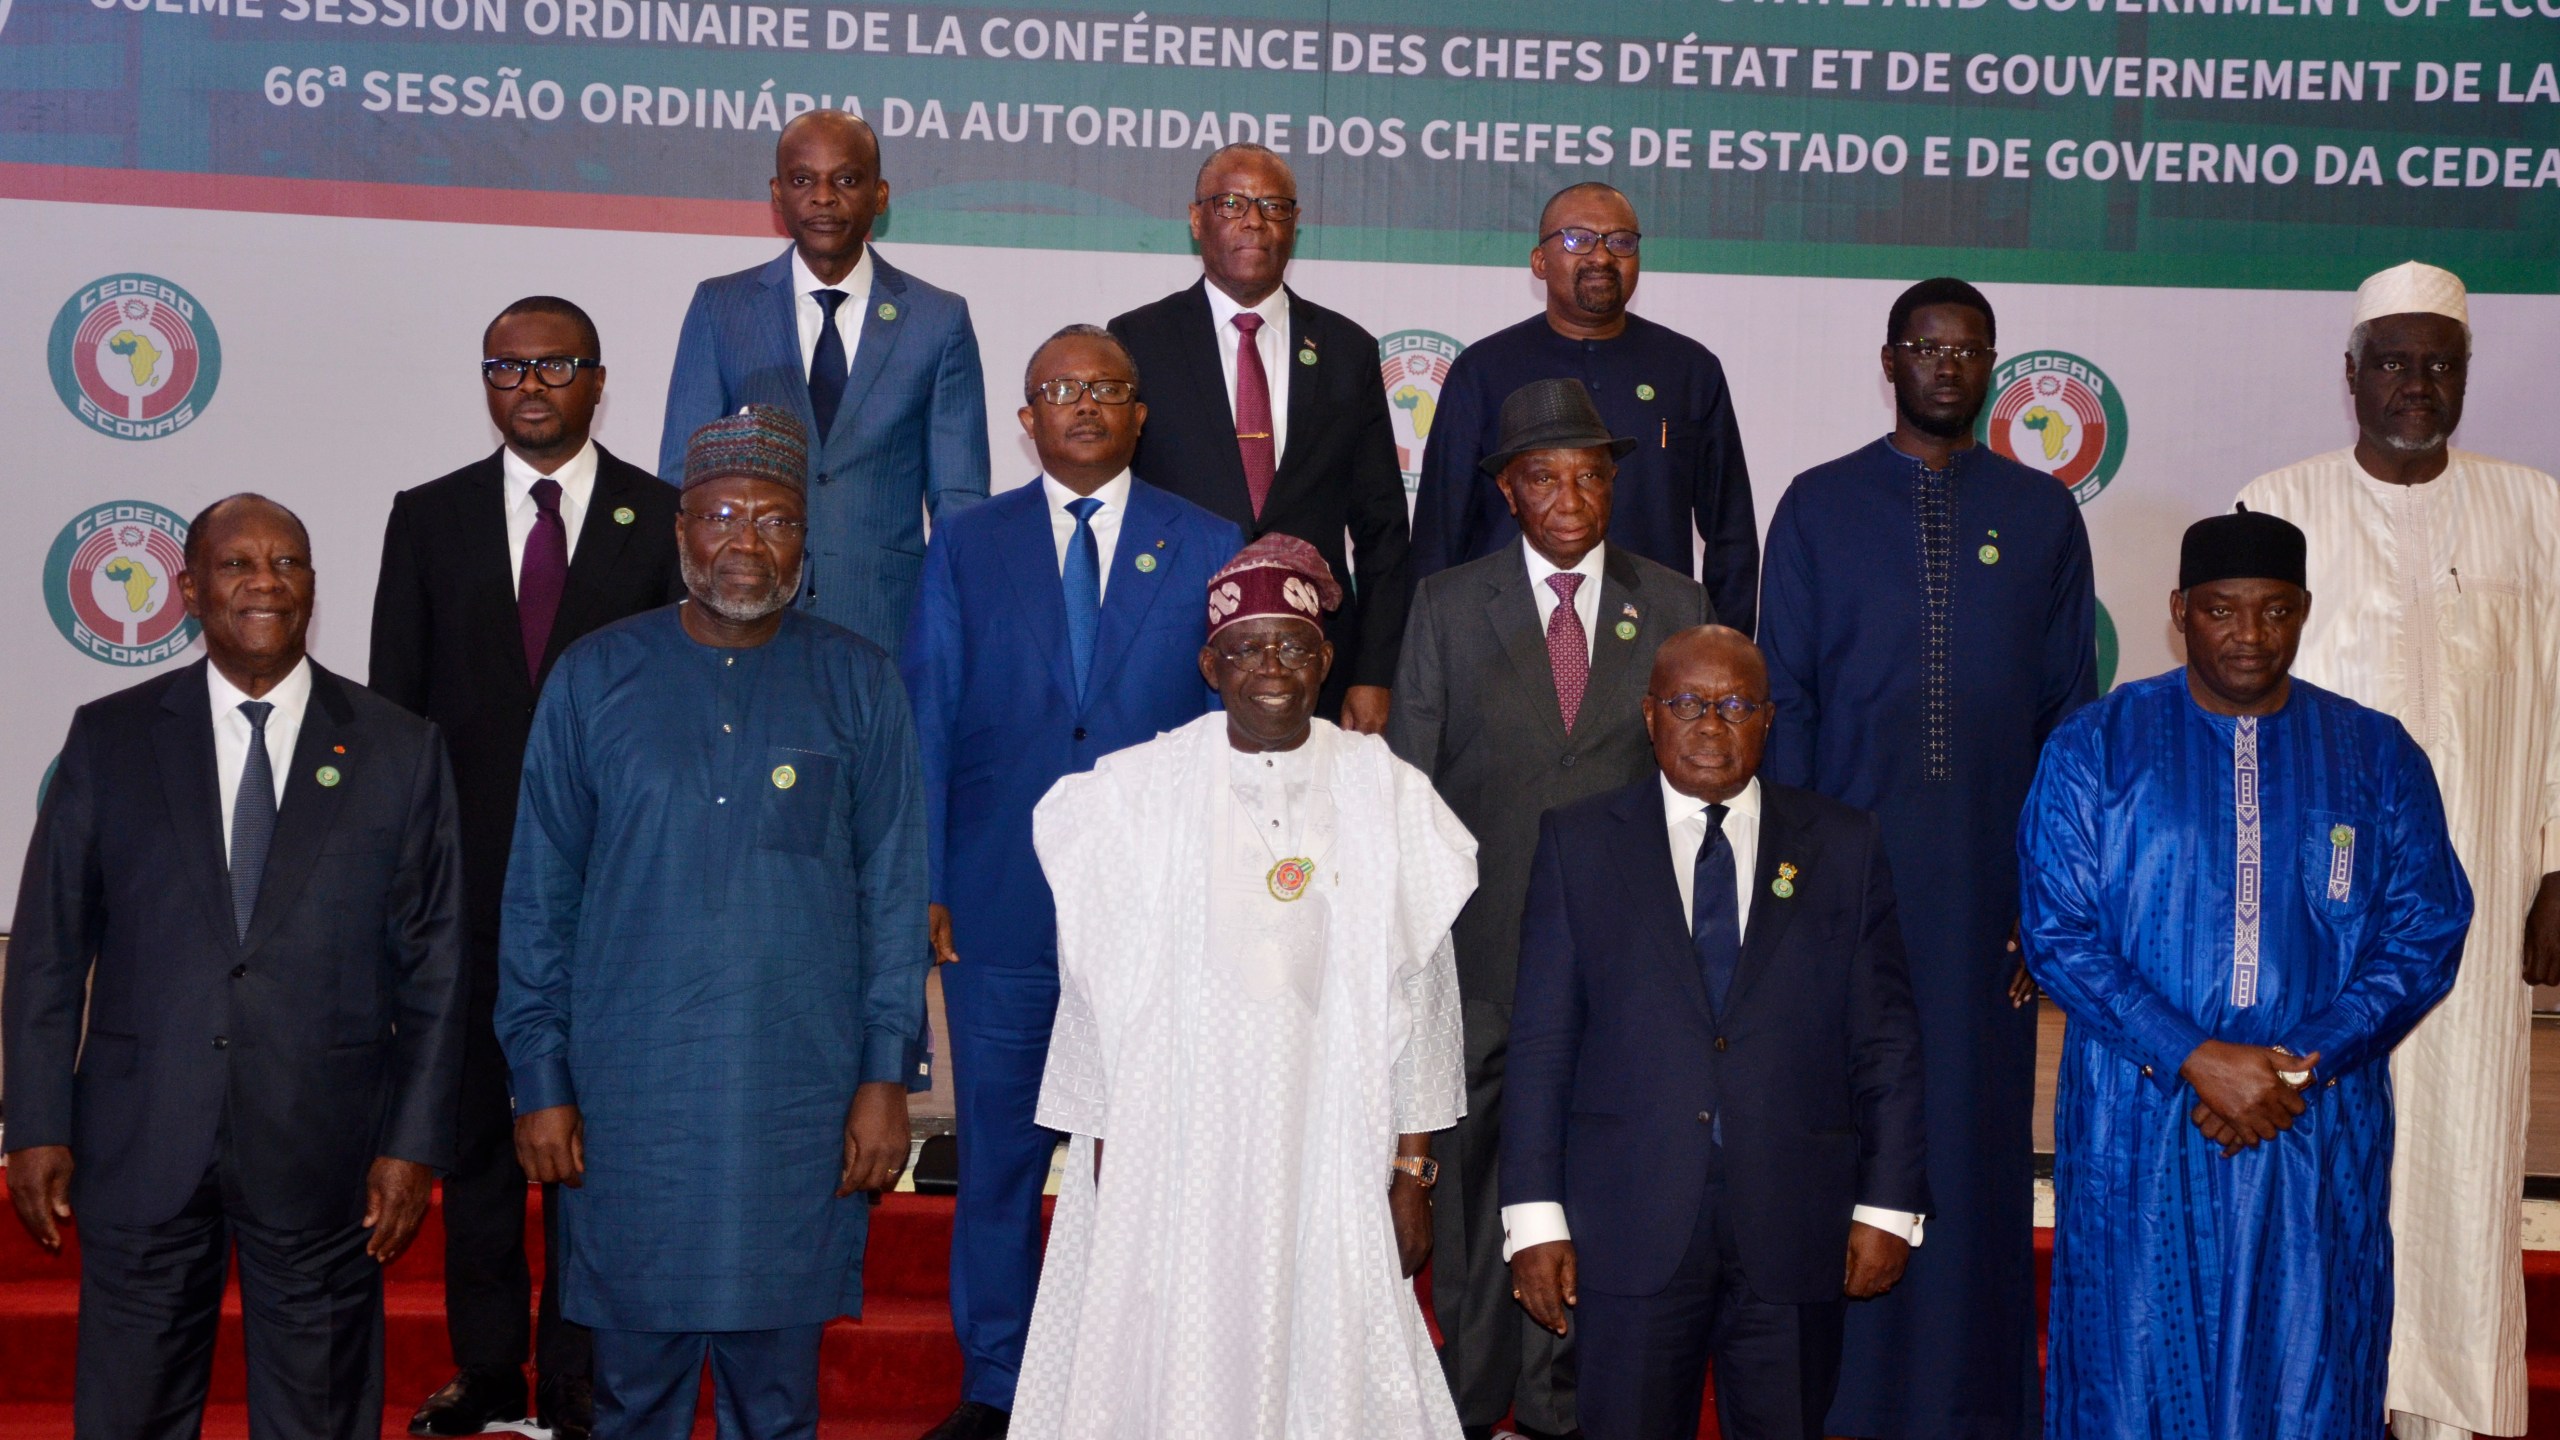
column 881, row 367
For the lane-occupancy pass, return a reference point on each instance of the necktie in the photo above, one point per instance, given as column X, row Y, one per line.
column 1568, row 648
column 544, row 576
column 253, row 818
column 1715, row 924
column 1082, row 577
column 1253, row 413
column 828, row 366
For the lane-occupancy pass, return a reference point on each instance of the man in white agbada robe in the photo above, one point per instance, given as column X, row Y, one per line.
column 2439, row 603
column 1257, row 1029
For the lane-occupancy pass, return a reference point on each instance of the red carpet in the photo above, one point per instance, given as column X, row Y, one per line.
column 887, row 1376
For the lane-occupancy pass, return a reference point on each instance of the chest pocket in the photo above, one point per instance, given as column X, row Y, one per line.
column 2339, row 862
column 797, row 805
column 2484, row 620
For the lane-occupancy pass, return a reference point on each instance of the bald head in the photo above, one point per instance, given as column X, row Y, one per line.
column 848, row 129
column 1708, row 711
column 827, row 189
column 1719, row 647
column 1588, row 193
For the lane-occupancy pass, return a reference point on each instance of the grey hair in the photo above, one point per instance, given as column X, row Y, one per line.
column 1241, row 147
column 2364, row 332
column 1073, row 332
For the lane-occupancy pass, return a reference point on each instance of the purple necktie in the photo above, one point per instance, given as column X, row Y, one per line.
column 1568, row 648
column 545, row 575
column 1253, row 413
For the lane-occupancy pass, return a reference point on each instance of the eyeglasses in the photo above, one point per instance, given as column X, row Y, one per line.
column 1292, row 654
column 1230, row 206
column 1066, row 391
column 1925, row 351
column 727, row 523
column 1579, row 241
column 1734, row 710
column 555, row 370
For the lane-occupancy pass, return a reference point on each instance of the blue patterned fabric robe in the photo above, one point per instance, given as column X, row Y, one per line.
column 2247, row 1298
column 714, row 933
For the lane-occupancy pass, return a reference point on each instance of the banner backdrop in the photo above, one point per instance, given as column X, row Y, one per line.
column 252, row 243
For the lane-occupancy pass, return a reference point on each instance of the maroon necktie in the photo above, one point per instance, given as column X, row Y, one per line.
column 1568, row 648
column 545, row 575
column 1253, row 413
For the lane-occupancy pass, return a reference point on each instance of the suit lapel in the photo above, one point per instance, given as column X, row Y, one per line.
column 1302, row 396
column 1145, row 531
column 309, row 808
column 1611, row 655
column 1643, row 865
column 1203, row 369
column 884, row 319
column 784, row 333
column 182, row 744
column 602, row 542
column 488, row 565
column 1784, row 840
column 1028, row 551
column 1513, row 613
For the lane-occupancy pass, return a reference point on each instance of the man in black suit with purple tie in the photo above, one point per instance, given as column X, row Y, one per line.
column 487, row 575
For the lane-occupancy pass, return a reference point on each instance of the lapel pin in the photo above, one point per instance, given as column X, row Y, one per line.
column 624, row 515
column 1626, row 629
column 337, row 749
column 1784, row 887
column 784, row 777
column 1307, row 356
column 1146, row 564
column 888, row 311
column 1644, row 392
column 1990, row 554
column 327, row 776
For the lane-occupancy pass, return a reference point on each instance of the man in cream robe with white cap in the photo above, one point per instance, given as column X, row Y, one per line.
column 2439, row 603
column 1257, row 1030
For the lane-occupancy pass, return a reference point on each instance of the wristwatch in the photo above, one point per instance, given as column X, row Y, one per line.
column 1424, row 1170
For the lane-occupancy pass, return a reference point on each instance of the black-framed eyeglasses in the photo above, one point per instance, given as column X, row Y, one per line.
column 1066, row 390
column 1925, row 351
column 1580, row 241
column 1250, row 654
column 555, row 370
column 726, row 523
column 1734, row 710
column 1229, row 205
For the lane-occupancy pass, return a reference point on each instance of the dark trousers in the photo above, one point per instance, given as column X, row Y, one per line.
column 1496, row 1358
column 1645, row 1357
column 764, row 1383
column 488, row 1283
column 1000, row 1022
column 151, row 1301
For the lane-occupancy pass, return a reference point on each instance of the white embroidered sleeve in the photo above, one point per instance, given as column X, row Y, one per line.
column 1075, row 1091
column 1430, row 1085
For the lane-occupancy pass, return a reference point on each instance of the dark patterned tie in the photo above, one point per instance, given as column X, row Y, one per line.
column 544, row 576
column 1253, row 413
column 1568, row 648
column 828, row 366
column 253, row 819
column 1715, row 923
column 1082, row 576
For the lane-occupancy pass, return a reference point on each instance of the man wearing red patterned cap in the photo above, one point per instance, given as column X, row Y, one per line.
column 1257, row 1031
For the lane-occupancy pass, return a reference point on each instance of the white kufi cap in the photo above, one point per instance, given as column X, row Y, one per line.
column 2412, row 289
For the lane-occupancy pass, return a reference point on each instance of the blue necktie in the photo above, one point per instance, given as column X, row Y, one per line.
column 1083, row 578
column 1715, row 926
column 828, row 366
column 253, row 818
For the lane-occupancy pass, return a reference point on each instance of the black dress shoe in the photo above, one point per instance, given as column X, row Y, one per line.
column 471, row 1401
column 972, row 1421
column 566, row 1407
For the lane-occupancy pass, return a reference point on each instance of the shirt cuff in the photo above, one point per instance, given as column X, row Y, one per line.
column 1900, row 1224
column 888, row 1057
column 543, row 1084
column 1535, row 1223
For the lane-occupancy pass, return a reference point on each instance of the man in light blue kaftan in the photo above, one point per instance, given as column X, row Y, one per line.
column 2240, row 889
column 712, row 966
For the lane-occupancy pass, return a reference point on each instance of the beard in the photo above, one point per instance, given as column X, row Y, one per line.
column 2426, row 444
column 1598, row 292
column 704, row 587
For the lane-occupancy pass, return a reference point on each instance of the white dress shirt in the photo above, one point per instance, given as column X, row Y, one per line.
column 291, row 696
column 577, row 477
column 857, row 301
column 1114, row 496
column 1586, row 596
column 1685, row 816
column 1272, row 340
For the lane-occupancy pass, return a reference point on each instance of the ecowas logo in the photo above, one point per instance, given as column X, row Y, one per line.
column 134, row 357
column 111, row 581
column 1414, row 364
column 2059, row 414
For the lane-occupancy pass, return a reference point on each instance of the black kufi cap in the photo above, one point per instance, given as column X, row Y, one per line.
column 2243, row 545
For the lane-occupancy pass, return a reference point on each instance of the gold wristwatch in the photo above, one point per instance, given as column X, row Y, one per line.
column 1424, row 1170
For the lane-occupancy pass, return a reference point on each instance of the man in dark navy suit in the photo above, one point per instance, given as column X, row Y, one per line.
column 1058, row 622
column 1712, row 1140
column 488, row 574
column 249, row 873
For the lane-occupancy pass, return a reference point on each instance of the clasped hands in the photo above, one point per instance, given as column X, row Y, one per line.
column 2242, row 1096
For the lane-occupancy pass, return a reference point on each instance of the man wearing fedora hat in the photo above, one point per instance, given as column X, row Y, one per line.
column 1519, row 689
